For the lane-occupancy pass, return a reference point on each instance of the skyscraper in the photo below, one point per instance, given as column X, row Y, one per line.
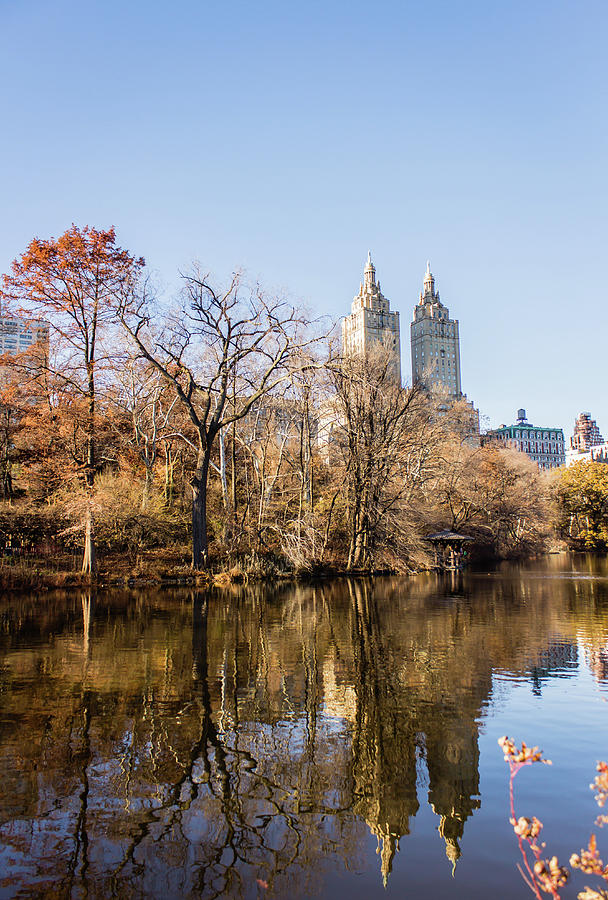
column 371, row 321
column 435, row 342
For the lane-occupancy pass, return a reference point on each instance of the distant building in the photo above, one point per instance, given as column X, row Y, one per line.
column 17, row 335
column 586, row 433
column 435, row 347
column 545, row 445
column 586, row 443
column 593, row 454
column 599, row 453
column 371, row 321
column 279, row 417
column 435, row 342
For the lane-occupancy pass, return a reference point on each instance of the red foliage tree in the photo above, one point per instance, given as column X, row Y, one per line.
column 74, row 282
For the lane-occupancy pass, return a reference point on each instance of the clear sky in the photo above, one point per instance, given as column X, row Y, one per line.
column 290, row 138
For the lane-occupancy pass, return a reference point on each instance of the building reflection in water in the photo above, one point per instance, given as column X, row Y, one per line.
column 191, row 744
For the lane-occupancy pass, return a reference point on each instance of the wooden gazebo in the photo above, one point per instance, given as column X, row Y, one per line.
column 450, row 549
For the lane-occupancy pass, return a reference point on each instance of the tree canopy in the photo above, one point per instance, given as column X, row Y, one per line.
column 582, row 497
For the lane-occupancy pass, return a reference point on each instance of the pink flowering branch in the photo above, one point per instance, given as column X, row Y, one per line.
column 544, row 874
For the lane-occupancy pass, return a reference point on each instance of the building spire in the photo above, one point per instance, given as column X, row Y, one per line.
column 369, row 272
column 429, row 281
column 372, row 322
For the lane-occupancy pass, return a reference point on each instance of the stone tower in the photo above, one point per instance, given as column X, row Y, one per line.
column 435, row 342
column 371, row 320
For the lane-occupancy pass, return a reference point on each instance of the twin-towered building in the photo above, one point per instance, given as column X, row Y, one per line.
column 435, row 348
column 434, row 336
column 372, row 322
column 435, row 342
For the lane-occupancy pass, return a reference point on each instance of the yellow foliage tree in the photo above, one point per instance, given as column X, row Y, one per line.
column 582, row 498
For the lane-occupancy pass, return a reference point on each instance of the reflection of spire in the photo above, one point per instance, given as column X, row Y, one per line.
column 390, row 845
column 452, row 850
column 453, row 767
column 383, row 738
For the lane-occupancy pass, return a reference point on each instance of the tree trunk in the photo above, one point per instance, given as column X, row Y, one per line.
column 223, row 476
column 358, row 558
column 309, row 463
column 90, row 457
column 356, row 518
column 226, row 530
column 89, row 560
column 169, row 466
column 233, row 458
column 7, row 480
column 200, row 546
column 147, row 490
column 233, row 472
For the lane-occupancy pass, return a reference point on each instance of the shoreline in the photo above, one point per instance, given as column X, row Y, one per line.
column 24, row 575
column 36, row 580
column 36, row 577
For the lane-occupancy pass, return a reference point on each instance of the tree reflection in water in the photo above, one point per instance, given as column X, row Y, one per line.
column 206, row 744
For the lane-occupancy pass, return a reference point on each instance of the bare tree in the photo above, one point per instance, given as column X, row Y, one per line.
column 388, row 437
column 144, row 397
column 221, row 341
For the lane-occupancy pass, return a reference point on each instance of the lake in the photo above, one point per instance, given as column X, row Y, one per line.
column 326, row 740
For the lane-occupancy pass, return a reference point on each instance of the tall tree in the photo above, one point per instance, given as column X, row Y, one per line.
column 74, row 282
column 388, row 437
column 221, row 342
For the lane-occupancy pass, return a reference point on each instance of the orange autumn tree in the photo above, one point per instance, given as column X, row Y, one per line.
column 74, row 282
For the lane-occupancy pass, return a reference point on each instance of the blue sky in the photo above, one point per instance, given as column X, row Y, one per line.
column 288, row 139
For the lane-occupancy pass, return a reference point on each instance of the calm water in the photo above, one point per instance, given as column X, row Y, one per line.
column 302, row 741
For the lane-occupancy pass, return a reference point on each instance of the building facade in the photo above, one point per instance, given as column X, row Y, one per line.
column 586, row 433
column 371, row 321
column 586, row 443
column 545, row 445
column 435, row 342
column 17, row 335
column 597, row 453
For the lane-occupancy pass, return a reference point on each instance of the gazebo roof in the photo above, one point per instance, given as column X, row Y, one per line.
column 447, row 535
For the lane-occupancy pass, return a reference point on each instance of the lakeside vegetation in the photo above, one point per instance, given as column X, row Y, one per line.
column 223, row 431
